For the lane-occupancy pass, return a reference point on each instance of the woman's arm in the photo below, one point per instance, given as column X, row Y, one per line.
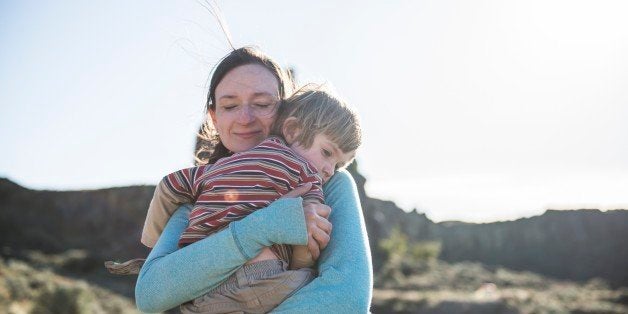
column 345, row 281
column 171, row 276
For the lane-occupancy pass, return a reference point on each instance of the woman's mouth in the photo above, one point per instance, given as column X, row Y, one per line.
column 248, row 135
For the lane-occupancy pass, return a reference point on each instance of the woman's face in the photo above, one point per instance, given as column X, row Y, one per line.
column 246, row 103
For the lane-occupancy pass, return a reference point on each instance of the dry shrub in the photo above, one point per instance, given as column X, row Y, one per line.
column 24, row 289
column 404, row 257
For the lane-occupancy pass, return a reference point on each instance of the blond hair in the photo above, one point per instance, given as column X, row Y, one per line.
column 318, row 111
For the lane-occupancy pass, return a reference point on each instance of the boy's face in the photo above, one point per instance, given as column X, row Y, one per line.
column 325, row 155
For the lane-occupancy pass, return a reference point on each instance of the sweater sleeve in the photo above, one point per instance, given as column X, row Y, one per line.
column 345, row 281
column 171, row 276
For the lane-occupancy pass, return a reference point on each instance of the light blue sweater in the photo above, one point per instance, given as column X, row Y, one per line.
column 171, row 276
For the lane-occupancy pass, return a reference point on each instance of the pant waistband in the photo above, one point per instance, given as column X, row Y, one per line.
column 254, row 271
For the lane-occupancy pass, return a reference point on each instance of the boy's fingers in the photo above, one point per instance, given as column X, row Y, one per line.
column 299, row 191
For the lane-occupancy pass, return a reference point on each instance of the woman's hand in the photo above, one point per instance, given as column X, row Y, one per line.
column 316, row 220
column 318, row 226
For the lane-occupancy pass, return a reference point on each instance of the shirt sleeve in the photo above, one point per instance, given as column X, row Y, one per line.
column 184, row 184
column 172, row 276
column 345, row 281
column 172, row 191
column 316, row 193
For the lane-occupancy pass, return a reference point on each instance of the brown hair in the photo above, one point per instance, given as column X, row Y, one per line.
column 318, row 111
column 209, row 148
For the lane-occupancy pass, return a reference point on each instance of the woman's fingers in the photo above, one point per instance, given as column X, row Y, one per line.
column 317, row 241
column 299, row 191
column 318, row 227
column 316, row 208
column 317, row 214
column 325, row 225
column 322, row 210
column 312, row 246
column 322, row 238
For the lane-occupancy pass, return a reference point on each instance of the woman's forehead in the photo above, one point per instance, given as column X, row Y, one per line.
column 250, row 80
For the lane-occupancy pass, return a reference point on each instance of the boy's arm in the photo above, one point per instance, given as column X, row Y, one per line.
column 172, row 191
column 308, row 175
column 345, row 281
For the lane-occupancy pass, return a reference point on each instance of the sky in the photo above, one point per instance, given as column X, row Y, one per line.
column 471, row 110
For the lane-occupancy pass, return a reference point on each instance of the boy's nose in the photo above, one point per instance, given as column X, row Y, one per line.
column 327, row 171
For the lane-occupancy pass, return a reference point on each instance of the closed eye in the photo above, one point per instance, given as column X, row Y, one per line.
column 229, row 107
column 262, row 105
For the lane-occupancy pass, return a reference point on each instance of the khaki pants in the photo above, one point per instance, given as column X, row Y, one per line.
column 254, row 288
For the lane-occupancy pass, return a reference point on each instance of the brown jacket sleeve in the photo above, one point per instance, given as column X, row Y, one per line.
column 162, row 206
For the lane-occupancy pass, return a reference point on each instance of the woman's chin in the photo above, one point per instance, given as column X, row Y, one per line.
column 246, row 143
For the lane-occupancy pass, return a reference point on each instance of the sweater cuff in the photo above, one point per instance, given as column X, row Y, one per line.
column 282, row 222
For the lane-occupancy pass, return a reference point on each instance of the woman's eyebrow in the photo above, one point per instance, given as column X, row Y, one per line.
column 227, row 97
column 264, row 94
column 255, row 95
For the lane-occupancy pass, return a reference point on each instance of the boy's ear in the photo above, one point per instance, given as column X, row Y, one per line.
column 290, row 130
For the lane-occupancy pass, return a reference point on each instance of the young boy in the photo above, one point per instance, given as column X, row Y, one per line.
column 314, row 135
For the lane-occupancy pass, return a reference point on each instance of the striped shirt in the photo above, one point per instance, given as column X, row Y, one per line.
column 237, row 185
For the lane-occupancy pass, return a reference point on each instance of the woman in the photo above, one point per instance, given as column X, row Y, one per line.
column 250, row 80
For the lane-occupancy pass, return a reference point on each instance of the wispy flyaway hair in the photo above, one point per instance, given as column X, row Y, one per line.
column 319, row 111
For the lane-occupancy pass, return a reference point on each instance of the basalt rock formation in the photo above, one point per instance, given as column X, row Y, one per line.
column 565, row 244
column 106, row 223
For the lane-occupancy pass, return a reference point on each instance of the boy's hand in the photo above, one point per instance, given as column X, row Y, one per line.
column 316, row 220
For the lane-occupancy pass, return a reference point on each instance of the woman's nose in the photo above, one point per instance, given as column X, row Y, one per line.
column 246, row 115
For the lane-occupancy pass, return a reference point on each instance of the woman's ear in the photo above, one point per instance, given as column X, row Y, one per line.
column 212, row 115
column 290, row 130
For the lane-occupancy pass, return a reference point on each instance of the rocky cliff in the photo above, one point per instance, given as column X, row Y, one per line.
column 106, row 223
column 566, row 244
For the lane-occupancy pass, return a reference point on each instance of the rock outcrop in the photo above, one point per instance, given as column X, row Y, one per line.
column 578, row 245
column 106, row 223
column 566, row 244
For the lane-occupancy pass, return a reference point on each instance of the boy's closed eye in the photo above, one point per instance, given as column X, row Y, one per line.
column 326, row 152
